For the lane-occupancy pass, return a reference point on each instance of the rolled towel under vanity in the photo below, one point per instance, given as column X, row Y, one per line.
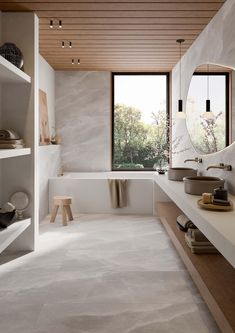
column 198, row 243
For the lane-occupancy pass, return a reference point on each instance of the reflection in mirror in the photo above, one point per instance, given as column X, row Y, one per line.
column 209, row 131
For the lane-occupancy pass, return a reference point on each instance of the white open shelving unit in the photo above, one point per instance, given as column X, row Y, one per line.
column 6, row 153
column 18, row 111
column 8, row 235
column 12, row 74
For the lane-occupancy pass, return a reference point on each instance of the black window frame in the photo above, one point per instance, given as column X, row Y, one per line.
column 227, row 100
column 167, row 74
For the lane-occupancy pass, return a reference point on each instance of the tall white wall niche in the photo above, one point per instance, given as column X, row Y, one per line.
column 19, row 106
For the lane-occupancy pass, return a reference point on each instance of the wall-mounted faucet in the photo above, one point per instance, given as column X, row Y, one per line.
column 196, row 159
column 222, row 166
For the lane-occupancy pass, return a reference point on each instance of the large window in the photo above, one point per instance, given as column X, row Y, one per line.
column 208, row 135
column 140, row 121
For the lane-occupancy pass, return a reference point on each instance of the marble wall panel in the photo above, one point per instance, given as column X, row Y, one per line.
column 83, row 119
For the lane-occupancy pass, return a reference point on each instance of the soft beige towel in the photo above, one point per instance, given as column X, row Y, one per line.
column 9, row 135
column 118, row 192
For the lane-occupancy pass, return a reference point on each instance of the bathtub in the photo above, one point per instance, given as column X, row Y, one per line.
column 90, row 191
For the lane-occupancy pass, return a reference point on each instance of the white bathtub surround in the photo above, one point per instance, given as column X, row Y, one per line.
column 110, row 175
column 215, row 45
column 90, row 191
column 83, row 119
column 101, row 274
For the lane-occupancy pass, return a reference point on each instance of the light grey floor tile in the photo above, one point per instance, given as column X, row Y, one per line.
column 125, row 318
column 101, row 274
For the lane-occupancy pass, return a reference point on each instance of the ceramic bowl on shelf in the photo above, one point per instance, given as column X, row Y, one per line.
column 12, row 53
column 7, row 219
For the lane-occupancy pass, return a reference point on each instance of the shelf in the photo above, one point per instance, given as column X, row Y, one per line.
column 6, row 153
column 8, row 235
column 46, row 147
column 212, row 273
column 9, row 73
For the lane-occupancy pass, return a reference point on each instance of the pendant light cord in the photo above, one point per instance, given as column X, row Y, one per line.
column 208, row 81
column 180, row 70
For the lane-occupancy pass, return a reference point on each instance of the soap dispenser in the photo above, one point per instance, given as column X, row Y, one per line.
column 220, row 193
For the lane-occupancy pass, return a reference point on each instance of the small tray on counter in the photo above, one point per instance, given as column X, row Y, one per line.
column 211, row 206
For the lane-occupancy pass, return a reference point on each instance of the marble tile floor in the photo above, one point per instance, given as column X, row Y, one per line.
column 101, row 274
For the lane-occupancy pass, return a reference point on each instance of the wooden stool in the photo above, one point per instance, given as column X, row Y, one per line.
column 64, row 203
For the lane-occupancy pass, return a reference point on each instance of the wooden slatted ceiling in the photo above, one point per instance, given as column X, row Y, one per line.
column 125, row 35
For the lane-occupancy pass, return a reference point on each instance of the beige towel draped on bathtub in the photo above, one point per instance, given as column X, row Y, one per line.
column 118, row 192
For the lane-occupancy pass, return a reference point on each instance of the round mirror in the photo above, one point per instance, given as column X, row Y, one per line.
column 207, row 109
column 21, row 202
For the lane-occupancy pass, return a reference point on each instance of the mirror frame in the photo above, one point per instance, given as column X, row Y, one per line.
column 227, row 106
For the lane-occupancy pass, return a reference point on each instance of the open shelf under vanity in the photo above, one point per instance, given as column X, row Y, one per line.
column 212, row 273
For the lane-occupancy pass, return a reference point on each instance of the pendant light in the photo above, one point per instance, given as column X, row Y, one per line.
column 181, row 114
column 208, row 114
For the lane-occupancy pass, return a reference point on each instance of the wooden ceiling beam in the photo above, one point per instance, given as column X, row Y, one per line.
column 110, row 1
column 127, row 14
column 128, row 33
column 124, row 38
column 114, row 6
column 78, row 27
column 128, row 20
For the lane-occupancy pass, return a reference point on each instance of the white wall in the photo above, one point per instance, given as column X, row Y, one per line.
column 49, row 166
column 83, row 119
column 215, row 45
column 49, row 156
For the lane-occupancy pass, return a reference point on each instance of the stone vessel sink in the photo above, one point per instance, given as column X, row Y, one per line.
column 178, row 174
column 201, row 184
